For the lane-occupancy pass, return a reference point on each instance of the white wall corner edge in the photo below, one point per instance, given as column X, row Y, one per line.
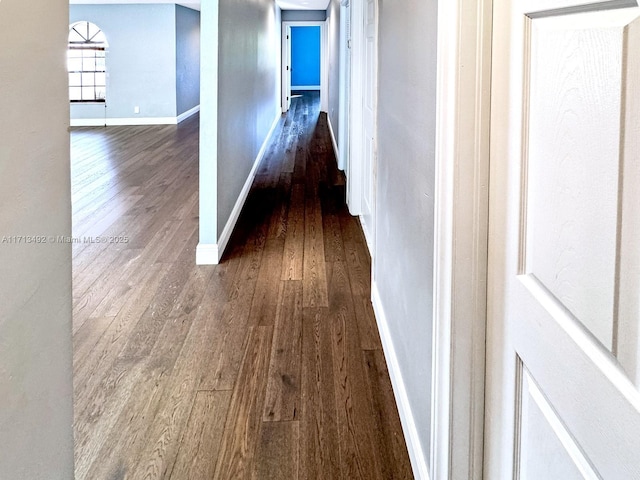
column 244, row 193
column 336, row 151
column 207, row 254
column 414, row 446
column 183, row 116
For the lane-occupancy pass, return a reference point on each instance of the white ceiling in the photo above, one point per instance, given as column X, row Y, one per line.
column 195, row 4
column 303, row 4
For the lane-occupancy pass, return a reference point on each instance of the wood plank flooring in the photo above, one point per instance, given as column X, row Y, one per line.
column 267, row 366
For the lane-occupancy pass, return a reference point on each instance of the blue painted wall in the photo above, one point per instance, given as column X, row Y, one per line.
column 187, row 59
column 305, row 56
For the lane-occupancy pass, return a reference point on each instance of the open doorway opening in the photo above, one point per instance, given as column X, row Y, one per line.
column 304, row 68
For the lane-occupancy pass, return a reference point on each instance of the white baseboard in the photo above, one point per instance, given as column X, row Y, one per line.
column 183, row 116
column 305, row 87
column 333, row 138
column 142, row 121
column 208, row 254
column 88, row 122
column 414, row 446
column 110, row 122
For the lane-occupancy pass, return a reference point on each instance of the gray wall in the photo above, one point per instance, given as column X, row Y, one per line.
column 248, row 66
column 405, row 191
column 333, row 60
column 187, row 59
column 141, row 59
column 304, row 15
column 36, row 438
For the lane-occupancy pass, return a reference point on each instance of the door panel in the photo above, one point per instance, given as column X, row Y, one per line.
column 583, row 383
column 547, row 449
column 628, row 338
column 573, row 159
column 563, row 252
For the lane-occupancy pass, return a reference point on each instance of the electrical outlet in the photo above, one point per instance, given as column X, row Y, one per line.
column 136, row 109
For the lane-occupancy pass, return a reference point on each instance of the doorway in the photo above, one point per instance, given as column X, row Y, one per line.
column 310, row 39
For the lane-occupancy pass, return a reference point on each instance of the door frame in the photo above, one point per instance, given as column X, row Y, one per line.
column 461, row 238
column 344, row 93
column 285, row 84
column 355, row 164
column 286, row 58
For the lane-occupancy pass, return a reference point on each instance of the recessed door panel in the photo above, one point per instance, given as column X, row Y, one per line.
column 573, row 154
column 547, row 450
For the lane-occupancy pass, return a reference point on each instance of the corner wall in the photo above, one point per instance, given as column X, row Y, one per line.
column 187, row 59
column 247, row 107
column 240, row 106
column 141, row 63
column 36, row 392
column 207, row 251
column 403, row 259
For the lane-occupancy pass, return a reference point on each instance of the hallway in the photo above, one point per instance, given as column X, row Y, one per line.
column 268, row 365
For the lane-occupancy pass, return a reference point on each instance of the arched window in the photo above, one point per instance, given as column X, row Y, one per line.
column 86, row 63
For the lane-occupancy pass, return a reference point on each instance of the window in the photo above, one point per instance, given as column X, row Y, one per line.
column 86, row 63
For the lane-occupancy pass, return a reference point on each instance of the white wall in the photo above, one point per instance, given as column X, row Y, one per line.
column 405, row 192
column 36, row 440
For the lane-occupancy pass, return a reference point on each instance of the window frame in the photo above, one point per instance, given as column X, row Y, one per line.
column 86, row 62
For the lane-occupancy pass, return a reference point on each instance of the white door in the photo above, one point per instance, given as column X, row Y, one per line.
column 564, row 245
column 286, row 68
column 369, row 119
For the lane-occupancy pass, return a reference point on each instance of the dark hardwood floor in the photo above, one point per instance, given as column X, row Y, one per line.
column 267, row 366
